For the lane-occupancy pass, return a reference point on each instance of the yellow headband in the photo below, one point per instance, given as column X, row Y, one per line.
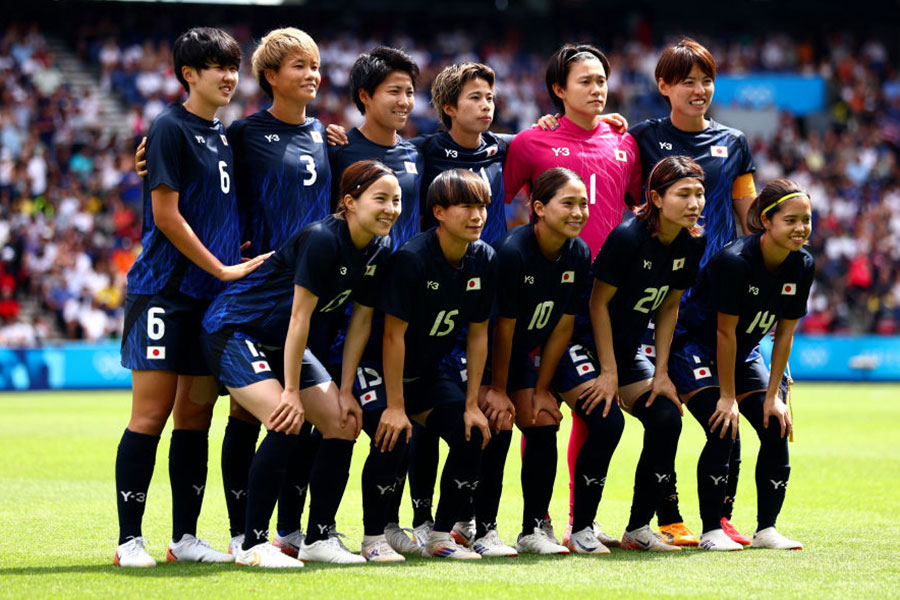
column 782, row 199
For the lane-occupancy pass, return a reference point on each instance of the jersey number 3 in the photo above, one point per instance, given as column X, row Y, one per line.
column 311, row 175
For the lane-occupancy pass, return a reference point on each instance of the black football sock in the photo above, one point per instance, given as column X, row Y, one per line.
column 264, row 481
column 734, row 470
column 538, row 474
column 379, row 478
column 462, row 467
column 712, row 467
column 134, row 469
column 188, row 454
column 772, row 464
column 327, row 482
column 423, row 465
column 490, row 486
column 392, row 508
column 238, row 447
column 292, row 495
column 656, row 466
column 593, row 460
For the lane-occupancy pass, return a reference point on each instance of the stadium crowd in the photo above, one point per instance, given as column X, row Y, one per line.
column 70, row 199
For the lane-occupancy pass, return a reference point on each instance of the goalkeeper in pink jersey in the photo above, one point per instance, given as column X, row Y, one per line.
column 607, row 161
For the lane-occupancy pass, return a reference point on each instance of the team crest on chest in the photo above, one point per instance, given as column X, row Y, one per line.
column 789, row 289
column 568, row 277
column 621, row 156
column 678, row 263
column 473, row 284
column 491, row 150
column 224, row 139
column 370, row 270
column 410, row 167
column 316, row 136
column 719, row 151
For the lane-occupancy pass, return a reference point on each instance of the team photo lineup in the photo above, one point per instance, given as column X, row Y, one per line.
column 333, row 282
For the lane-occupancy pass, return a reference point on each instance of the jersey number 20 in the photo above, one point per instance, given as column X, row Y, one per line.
column 654, row 296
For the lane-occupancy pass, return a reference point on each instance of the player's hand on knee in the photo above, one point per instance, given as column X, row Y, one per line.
column 350, row 412
column 663, row 386
column 240, row 270
column 726, row 416
column 543, row 401
column 473, row 417
column 393, row 424
column 140, row 158
column 603, row 389
column 497, row 407
column 778, row 409
column 336, row 135
column 288, row 415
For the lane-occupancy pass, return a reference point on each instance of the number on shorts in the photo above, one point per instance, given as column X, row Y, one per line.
column 361, row 373
column 156, row 327
column 654, row 296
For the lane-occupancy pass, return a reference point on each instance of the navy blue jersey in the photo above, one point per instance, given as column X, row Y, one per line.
column 643, row 270
column 283, row 178
column 441, row 154
column 190, row 155
column 322, row 259
column 721, row 151
column 435, row 298
column 736, row 282
column 537, row 291
column 407, row 164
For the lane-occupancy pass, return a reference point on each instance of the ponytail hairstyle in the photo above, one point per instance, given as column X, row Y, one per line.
column 547, row 184
column 358, row 177
column 663, row 175
column 769, row 200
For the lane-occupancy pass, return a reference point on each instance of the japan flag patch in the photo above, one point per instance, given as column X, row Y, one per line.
column 368, row 397
column 410, row 167
column 648, row 350
column 261, row 366
column 491, row 150
column 720, row 151
column 224, row 139
column 585, row 368
column 474, row 284
column 156, row 352
column 621, row 156
column 568, row 277
column 678, row 263
column 789, row 289
column 370, row 270
column 316, row 136
column 702, row 373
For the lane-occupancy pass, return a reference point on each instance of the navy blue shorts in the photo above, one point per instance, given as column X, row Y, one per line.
column 523, row 371
column 579, row 365
column 369, row 386
column 162, row 333
column 690, row 369
column 238, row 360
column 447, row 384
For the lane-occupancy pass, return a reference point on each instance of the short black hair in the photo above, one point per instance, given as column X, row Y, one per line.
column 203, row 47
column 457, row 186
column 561, row 63
column 372, row 68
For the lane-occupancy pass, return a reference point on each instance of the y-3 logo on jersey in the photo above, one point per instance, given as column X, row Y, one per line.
column 561, row 151
column 529, row 279
column 432, row 285
column 648, row 264
column 451, row 153
column 272, row 137
column 753, row 290
column 200, row 139
column 665, row 145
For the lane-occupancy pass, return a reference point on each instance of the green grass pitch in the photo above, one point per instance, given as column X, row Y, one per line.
column 58, row 520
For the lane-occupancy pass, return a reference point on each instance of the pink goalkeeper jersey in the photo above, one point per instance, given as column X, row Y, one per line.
column 607, row 161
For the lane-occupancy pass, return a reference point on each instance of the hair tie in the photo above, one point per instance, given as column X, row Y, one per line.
column 782, row 199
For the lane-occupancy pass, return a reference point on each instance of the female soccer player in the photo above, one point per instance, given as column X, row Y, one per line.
column 190, row 244
column 685, row 75
column 607, row 161
column 330, row 262
column 642, row 269
column 439, row 281
column 753, row 284
column 542, row 267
